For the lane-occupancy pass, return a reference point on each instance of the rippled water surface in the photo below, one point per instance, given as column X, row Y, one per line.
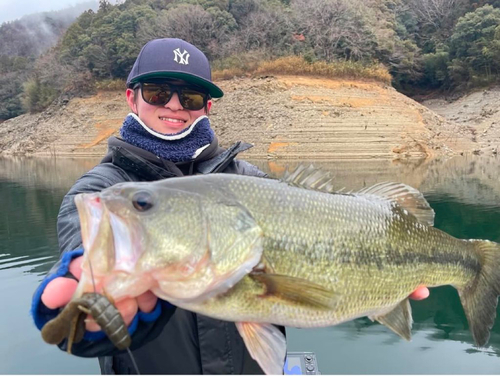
column 465, row 193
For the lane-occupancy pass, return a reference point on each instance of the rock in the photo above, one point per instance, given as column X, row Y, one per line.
column 248, row 109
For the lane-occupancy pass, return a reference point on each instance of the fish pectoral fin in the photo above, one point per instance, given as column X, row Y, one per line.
column 266, row 344
column 297, row 290
column 398, row 319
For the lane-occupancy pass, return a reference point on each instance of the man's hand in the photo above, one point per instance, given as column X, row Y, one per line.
column 420, row 293
column 59, row 291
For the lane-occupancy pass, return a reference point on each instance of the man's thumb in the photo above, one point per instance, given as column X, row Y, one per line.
column 75, row 267
column 58, row 292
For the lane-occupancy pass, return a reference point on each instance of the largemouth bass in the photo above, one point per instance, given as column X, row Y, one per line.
column 259, row 251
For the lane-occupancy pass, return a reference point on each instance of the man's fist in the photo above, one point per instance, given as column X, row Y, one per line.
column 59, row 291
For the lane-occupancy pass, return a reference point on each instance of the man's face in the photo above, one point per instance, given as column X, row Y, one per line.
column 168, row 118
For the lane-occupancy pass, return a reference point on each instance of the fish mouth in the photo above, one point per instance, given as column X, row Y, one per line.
column 111, row 243
column 90, row 211
column 127, row 247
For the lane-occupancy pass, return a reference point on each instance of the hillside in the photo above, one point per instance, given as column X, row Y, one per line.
column 284, row 116
column 479, row 110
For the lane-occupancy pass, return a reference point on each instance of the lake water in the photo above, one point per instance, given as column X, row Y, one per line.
column 465, row 193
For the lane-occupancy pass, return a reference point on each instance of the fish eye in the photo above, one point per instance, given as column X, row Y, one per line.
column 142, row 201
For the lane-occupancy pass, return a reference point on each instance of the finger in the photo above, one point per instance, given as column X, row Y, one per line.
column 127, row 309
column 420, row 293
column 91, row 325
column 75, row 267
column 147, row 301
column 58, row 292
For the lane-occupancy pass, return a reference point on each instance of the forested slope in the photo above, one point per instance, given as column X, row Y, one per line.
column 423, row 44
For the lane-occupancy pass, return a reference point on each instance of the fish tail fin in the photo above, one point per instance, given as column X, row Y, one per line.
column 480, row 298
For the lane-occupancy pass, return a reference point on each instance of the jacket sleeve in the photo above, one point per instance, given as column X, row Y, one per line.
column 145, row 326
column 241, row 167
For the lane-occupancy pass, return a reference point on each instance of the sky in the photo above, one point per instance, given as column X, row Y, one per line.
column 11, row 10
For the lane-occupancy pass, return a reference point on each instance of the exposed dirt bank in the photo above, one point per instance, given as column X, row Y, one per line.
column 479, row 111
column 285, row 117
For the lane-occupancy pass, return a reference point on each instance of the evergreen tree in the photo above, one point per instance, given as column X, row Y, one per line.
column 474, row 47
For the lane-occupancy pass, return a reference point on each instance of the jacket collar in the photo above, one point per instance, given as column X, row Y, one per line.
column 150, row 167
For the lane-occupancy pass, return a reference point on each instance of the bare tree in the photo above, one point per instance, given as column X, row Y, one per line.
column 335, row 28
column 432, row 12
column 267, row 29
column 189, row 22
column 206, row 30
column 439, row 15
column 50, row 71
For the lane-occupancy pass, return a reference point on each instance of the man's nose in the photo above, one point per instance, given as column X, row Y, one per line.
column 174, row 103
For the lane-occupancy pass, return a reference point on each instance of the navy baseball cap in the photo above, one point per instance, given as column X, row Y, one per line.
column 173, row 58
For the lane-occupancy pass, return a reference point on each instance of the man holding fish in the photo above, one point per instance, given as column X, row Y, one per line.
column 167, row 135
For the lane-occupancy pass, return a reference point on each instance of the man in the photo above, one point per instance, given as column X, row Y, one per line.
column 167, row 134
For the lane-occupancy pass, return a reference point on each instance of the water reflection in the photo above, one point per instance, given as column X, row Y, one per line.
column 31, row 191
column 464, row 192
column 45, row 173
column 467, row 179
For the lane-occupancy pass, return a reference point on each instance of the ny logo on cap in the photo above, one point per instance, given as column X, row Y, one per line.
column 181, row 58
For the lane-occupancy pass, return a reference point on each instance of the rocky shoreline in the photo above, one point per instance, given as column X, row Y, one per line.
column 284, row 117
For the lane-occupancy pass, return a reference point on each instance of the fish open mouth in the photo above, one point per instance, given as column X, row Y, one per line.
column 110, row 241
column 112, row 248
column 90, row 211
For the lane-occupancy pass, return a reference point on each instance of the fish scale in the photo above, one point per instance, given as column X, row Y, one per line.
column 351, row 235
column 259, row 251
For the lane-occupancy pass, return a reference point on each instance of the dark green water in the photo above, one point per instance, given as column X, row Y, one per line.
column 465, row 193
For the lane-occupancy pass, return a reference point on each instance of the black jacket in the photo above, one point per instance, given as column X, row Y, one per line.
column 179, row 341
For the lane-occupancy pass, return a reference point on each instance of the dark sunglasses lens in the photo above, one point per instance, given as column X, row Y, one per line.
column 192, row 99
column 156, row 94
column 160, row 94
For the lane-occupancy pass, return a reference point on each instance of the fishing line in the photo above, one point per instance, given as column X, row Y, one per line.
column 92, row 276
column 128, row 348
column 133, row 360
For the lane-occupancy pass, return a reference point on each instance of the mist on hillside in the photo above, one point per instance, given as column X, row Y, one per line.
column 33, row 34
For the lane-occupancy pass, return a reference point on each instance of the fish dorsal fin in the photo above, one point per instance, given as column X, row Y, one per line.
column 405, row 196
column 398, row 319
column 266, row 344
column 310, row 177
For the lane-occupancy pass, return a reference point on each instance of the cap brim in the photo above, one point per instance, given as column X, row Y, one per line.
column 213, row 90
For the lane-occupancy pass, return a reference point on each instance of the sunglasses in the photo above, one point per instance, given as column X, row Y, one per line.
column 159, row 94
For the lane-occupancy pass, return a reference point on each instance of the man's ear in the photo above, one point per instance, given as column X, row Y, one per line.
column 209, row 106
column 131, row 100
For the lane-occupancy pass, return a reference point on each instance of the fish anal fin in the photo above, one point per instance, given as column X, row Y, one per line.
column 398, row 319
column 297, row 290
column 406, row 197
column 266, row 344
